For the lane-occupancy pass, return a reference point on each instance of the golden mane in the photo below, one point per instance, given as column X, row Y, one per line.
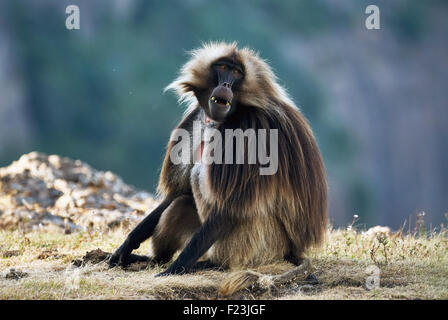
column 259, row 77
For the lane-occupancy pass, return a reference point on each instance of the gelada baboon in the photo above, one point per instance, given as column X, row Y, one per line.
column 228, row 214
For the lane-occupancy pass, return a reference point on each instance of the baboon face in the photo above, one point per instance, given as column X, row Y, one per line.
column 225, row 79
column 220, row 100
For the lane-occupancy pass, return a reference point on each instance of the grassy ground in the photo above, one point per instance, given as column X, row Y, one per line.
column 408, row 266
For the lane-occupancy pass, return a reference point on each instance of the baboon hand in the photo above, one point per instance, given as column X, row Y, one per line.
column 121, row 256
column 172, row 270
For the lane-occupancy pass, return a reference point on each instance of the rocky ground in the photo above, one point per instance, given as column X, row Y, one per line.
column 40, row 192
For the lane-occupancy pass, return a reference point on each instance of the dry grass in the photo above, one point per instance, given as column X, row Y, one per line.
column 410, row 266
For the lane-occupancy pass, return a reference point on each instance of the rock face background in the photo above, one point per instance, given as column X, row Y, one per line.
column 50, row 192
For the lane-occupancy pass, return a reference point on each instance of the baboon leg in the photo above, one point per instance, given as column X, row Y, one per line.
column 176, row 226
column 216, row 226
column 294, row 258
column 294, row 255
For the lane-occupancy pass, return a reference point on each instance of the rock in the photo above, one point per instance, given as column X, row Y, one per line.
column 52, row 192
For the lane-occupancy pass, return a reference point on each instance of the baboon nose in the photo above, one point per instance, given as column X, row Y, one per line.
column 223, row 92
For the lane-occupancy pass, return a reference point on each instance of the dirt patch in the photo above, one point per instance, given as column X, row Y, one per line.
column 97, row 256
column 10, row 253
column 346, row 282
column 92, row 257
column 50, row 254
column 14, row 274
column 199, row 293
column 392, row 283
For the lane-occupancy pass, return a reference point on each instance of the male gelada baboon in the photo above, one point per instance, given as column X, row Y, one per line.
column 230, row 215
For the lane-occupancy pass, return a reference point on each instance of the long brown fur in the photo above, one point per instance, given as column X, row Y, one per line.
column 278, row 215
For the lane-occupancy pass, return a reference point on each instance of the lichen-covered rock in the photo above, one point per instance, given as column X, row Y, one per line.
column 40, row 191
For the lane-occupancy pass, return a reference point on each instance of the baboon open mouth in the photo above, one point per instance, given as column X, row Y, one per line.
column 220, row 101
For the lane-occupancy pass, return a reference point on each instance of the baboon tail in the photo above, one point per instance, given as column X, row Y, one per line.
column 241, row 280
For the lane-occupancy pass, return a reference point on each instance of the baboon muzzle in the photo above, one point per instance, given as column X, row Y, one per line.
column 220, row 101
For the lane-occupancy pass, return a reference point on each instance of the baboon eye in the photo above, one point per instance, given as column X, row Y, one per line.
column 236, row 72
column 222, row 67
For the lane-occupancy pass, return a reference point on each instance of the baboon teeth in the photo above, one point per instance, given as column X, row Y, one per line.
column 220, row 101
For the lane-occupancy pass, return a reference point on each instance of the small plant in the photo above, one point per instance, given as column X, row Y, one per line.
column 351, row 226
column 420, row 226
column 383, row 241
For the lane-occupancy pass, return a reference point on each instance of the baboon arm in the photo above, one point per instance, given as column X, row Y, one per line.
column 146, row 227
column 213, row 229
column 140, row 233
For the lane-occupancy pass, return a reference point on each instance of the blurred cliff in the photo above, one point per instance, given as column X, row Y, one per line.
column 376, row 99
